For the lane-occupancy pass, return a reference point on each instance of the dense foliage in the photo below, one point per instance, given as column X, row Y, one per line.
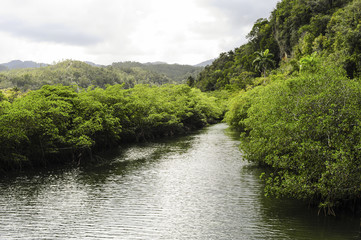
column 296, row 28
column 308, row 129
column 176, row 72
column 297, row 103
column 57, row 123
column 302, row 119
column 78, row 73
column 235, row 69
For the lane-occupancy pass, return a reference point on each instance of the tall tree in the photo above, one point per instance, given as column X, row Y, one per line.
column 263, row 61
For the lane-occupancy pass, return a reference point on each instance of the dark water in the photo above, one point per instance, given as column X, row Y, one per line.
column 195, row 187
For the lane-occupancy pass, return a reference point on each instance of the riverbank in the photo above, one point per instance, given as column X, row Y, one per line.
column 195, row 186
column 62, row 123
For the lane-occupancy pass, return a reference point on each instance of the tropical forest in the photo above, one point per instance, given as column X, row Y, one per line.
column 292, row 93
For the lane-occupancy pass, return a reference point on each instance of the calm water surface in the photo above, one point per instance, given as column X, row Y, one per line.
column 194, row 187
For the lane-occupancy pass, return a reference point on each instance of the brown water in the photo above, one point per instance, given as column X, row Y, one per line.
column 194, row 187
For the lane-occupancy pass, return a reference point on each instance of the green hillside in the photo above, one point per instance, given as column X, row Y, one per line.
column 297, row 101
column 78, row 73
column 295, row 29
column 178, row 73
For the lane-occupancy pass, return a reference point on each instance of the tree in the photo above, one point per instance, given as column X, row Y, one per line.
column 190, row 81
column 307, row 128
column 263, row 61
column 308, row 63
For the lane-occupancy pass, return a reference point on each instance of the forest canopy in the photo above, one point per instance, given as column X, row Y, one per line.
column 295, row 29
column 58, row 123
column 301, row 116
column 84, row 75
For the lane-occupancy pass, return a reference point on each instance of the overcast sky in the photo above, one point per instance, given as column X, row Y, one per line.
column 106, row 31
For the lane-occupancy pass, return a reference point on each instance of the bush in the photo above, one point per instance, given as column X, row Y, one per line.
column 308, row 129
column 56, row 123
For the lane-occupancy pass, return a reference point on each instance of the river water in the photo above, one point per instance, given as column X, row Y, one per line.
column 192, row 187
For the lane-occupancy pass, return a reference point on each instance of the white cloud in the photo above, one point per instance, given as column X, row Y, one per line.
column 105, row 31
column 55, row 32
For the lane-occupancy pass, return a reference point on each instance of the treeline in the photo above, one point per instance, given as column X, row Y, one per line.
column 295, row 29
column 300, row 116
column 308, row 129
column 60, row 123
column 178, row 73
column 84, row 75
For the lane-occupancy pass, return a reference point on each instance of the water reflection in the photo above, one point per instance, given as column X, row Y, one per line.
column 194, row 187
column 125, row 160
column 294, row 219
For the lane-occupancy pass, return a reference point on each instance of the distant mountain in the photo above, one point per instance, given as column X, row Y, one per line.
column 93, row 64
column 154, row 63
column 17, row 64
column 81, row 74
column 176, row 72
column 205, row 63
column 31, row 75
column 3, row 68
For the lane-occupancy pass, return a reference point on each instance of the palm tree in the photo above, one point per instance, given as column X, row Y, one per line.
column 263, row 61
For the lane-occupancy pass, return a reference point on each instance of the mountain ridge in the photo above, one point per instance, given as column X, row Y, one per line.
column 205, row 63
column 18, row 64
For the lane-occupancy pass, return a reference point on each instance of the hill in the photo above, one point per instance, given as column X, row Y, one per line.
column 85, row 74
column 205, row 63
column 178, row 73
column 3, row 68
column 297, row 87
column 17, row 64
column 295, row 29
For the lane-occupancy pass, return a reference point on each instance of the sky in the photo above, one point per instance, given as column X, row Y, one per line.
column 107, row 31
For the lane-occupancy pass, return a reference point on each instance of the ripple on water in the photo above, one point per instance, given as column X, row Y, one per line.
column 194, row 187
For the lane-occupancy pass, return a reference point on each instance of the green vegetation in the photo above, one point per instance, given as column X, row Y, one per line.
column 263, row 61
column 69, row 110
column 302, row 119
column 57, row 123
column 296, row 88
column 81, row 74
column 235, row 69
column 295, row 29
column 307, row 128
column 177, row 73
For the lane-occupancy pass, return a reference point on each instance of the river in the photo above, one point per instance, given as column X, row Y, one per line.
column 191, row 187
